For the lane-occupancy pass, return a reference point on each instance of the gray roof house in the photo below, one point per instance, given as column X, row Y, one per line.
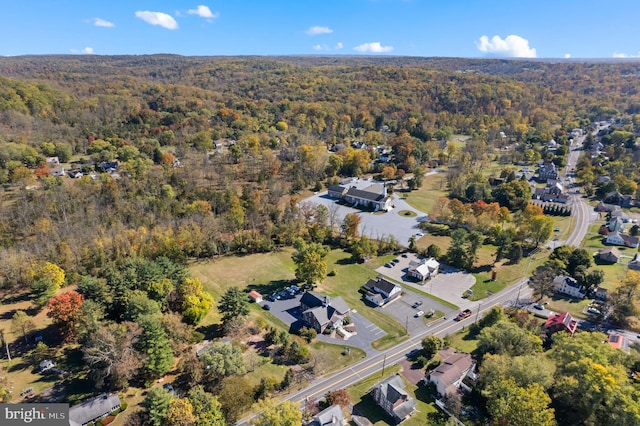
column 93, row 409
column 609, row 254
column 380, row 291
column 330, row 416
column 635, row 263
column 393, row 399
column 569, row 286
column 449, row 375
column 320, row 311
column 373, row 196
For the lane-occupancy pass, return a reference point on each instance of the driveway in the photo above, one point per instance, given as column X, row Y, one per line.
column 288, row 311
column 450, row 284
column 378, row 224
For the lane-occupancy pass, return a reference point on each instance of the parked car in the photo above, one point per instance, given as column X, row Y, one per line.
column 418, row 303
column 266, row 307
column 419, row 314
column 538, row 306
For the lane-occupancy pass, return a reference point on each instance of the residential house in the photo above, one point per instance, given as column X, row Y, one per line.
column 255, row 296
column 321, row 311
column 93, row 409
column 600, row 293
column 552, row 145
column 635, row 263
column 606, row 208
column 336, row 191
column 552, row 192
column 618, row 239
column 393, row 399
column 53, row 160
column 547, row 170
column 449, row 375
column 616, row 224
column 373, row 197
column 58, row 171
column 424, row 269
column 561, row 322
column 609, row 255
column 569, row 286
column 619, row 215
column 576, row 133
column 619, row 342
column 108, row 166
column 46, row 365
column 330, row 416
column 596, row 149
column 380, row 291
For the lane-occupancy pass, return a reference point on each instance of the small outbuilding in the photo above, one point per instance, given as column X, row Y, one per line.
column 255, row 296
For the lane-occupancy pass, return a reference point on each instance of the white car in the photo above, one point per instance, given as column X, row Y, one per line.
column 419, row 314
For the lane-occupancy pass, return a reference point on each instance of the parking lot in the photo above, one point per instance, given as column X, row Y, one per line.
column 375, row 225
column 288, row 311
column 450, row 284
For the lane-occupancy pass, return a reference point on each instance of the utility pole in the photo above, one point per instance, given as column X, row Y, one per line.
column 383, row 364
column 477, row 313
column 406, row 325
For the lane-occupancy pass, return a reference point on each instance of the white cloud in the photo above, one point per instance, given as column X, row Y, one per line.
column 339, row 45
column 86, row 51
column 624, row 55
column 373, row 47
column 567, row 55
column 318, row 30
column 99, row 22
column 158, row 18
column 512, row 46
column 203, row 12
column 320, row 47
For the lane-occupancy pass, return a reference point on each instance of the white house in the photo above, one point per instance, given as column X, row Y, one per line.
column 424, row 269
column 380, row 291
column 455, row 367
column 330, row 416
column 569, row 286
column 617, row 239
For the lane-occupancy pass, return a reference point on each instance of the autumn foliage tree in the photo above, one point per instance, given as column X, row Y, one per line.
column 65, row 311
column 338, row 397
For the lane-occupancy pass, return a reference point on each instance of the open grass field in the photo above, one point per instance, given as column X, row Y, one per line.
column 463, row 342
column 423, row 199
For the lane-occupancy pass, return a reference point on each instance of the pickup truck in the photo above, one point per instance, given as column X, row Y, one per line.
column 464, row 314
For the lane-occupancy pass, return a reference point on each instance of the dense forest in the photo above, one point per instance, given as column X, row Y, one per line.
column 162, row 159
column 275, row 118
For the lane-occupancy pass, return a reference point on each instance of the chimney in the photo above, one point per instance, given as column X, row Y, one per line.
column 384, row 190
column 326, row 302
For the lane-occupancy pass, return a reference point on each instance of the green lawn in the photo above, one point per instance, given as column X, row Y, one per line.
column 423, row 199
column 567, row 304
column 463, row 342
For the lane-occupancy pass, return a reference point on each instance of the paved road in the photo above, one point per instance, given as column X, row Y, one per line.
column 375, row 364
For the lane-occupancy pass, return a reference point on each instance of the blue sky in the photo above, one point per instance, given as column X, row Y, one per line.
column 459, row 28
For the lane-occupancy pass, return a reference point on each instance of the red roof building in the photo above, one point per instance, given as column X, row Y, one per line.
column 561, row 322
column 255, row 296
